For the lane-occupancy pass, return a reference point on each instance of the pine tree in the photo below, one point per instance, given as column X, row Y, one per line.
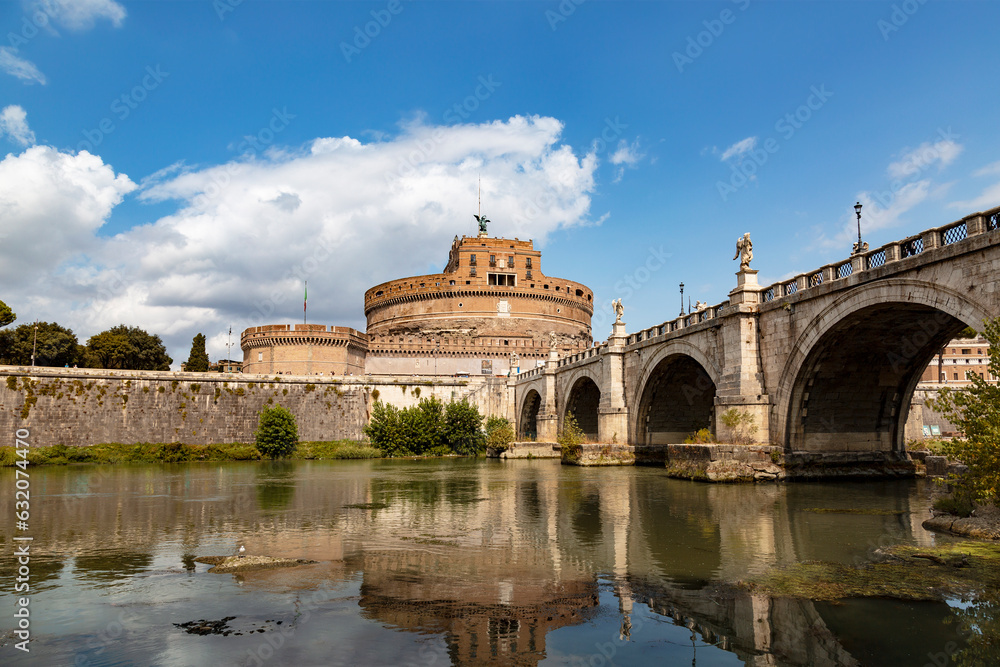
column 198, row 359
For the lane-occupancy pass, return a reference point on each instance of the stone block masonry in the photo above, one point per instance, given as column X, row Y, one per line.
column 78, row 407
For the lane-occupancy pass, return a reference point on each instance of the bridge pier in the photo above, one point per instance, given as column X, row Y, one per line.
column 547, row 423
column 612, row 415
column 742, row 386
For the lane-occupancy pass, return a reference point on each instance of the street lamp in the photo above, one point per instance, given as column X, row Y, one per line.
column 857, row 210
column 682, row 300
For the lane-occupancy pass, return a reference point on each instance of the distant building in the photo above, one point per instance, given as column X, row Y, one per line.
column 491, row 308
column 226, row 366
column 955, row 360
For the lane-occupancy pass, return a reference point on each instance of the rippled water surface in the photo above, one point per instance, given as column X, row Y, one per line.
column 445, row 562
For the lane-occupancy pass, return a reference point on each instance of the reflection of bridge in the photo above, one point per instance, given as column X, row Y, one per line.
column 825, row 362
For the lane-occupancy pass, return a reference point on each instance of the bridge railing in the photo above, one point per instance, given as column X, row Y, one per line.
column 585, row 354
column 953, row 232
column 678, row 323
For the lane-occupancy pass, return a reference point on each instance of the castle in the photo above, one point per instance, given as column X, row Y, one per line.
column 490, row 311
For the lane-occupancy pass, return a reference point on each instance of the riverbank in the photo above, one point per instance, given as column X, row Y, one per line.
column 176, row 452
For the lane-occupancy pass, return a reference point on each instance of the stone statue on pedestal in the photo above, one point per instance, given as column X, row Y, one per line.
column 619, row 310
column 744, row 251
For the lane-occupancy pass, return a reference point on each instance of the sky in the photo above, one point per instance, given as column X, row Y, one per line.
column 186, row 165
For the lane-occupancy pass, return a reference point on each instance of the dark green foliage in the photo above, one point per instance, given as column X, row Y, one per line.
column 499, row 433
column 129, row 348
column 56, row 345
column 276, row 434
column 6, row 314
column 430, row 428
column 463, row 430
column 976, row 411
column 198, row 359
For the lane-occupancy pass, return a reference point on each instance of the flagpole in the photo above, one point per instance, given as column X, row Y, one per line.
column 305, row 301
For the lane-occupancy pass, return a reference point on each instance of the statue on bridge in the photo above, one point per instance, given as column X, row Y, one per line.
column 744, row 251
column 619, row 310
column 701, row 305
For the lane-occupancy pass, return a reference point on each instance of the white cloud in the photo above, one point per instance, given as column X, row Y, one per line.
column 988, row 170
column 343, row 214
column 19, row 67
column 923, row 157
column 82, row 14
column 14, row 123
column 990, row 198
column 51, row 205
column 626, row 155
column 739, row 148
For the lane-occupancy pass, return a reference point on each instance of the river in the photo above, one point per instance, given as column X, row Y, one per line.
column 452, row 562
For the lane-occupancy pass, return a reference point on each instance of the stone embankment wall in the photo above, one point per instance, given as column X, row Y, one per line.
column 76, row 407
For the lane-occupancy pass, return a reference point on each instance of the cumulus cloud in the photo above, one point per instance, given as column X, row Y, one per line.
column 14, row 123
column 739, row 148
column 924, row 156
column 338, row 212
column 626, row 155
column 82, row 14
column 16, row 66
column 51, row 205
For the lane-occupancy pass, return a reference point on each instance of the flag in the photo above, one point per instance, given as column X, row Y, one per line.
column 305, row 298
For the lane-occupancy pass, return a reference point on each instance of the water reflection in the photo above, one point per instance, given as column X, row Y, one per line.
column 466, row 562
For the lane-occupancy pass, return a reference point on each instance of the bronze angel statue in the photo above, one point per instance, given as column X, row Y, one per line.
column 744, row 251
column 481, row 219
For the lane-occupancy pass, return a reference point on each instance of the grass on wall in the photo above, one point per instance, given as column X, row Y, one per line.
column 174, row 452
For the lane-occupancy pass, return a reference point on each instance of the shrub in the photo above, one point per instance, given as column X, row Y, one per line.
column 742, row 429
column 385, row 430
column 699, row 437
column 276, row 434
column 499, row 433
column 975, row 410
column 463, row 428
column 570, row 437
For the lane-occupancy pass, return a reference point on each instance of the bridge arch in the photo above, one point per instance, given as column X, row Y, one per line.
column 527, row 425
column 583, row 400
column 849, row 380
column 676, row 395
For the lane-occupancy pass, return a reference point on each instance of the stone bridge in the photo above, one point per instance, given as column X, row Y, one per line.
column 825, row 362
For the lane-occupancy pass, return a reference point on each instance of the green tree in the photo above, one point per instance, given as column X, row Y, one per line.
column 6, row 314
column 463, row 428
column 108, row 350
column 128, row 348
column 55, row 345
column 499, row 433
column 277, row 434
column 198, row 359
column 975, row 410
column 386, row 432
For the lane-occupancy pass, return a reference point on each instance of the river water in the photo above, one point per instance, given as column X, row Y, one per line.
column 451, row 562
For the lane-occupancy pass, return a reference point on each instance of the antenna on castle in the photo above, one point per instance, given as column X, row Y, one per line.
column 480, row 195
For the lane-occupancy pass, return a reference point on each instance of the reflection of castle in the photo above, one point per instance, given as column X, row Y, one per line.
column 491, row 304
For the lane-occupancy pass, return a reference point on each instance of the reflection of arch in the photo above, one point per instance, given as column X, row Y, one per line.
column 583, row 401
column 677, row 399
column 527, row 427
column 848, row 383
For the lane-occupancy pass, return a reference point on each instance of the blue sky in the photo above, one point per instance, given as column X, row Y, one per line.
column 184, row 165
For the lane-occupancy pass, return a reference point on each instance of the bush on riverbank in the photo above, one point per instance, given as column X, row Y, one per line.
column 277, row 433
column 430, row 428
column 499, row 434
column 975, row 410
column 176, row 452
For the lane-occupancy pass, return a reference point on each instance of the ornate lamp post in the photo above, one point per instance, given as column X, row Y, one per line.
column 857, row 210
column 682, row 300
